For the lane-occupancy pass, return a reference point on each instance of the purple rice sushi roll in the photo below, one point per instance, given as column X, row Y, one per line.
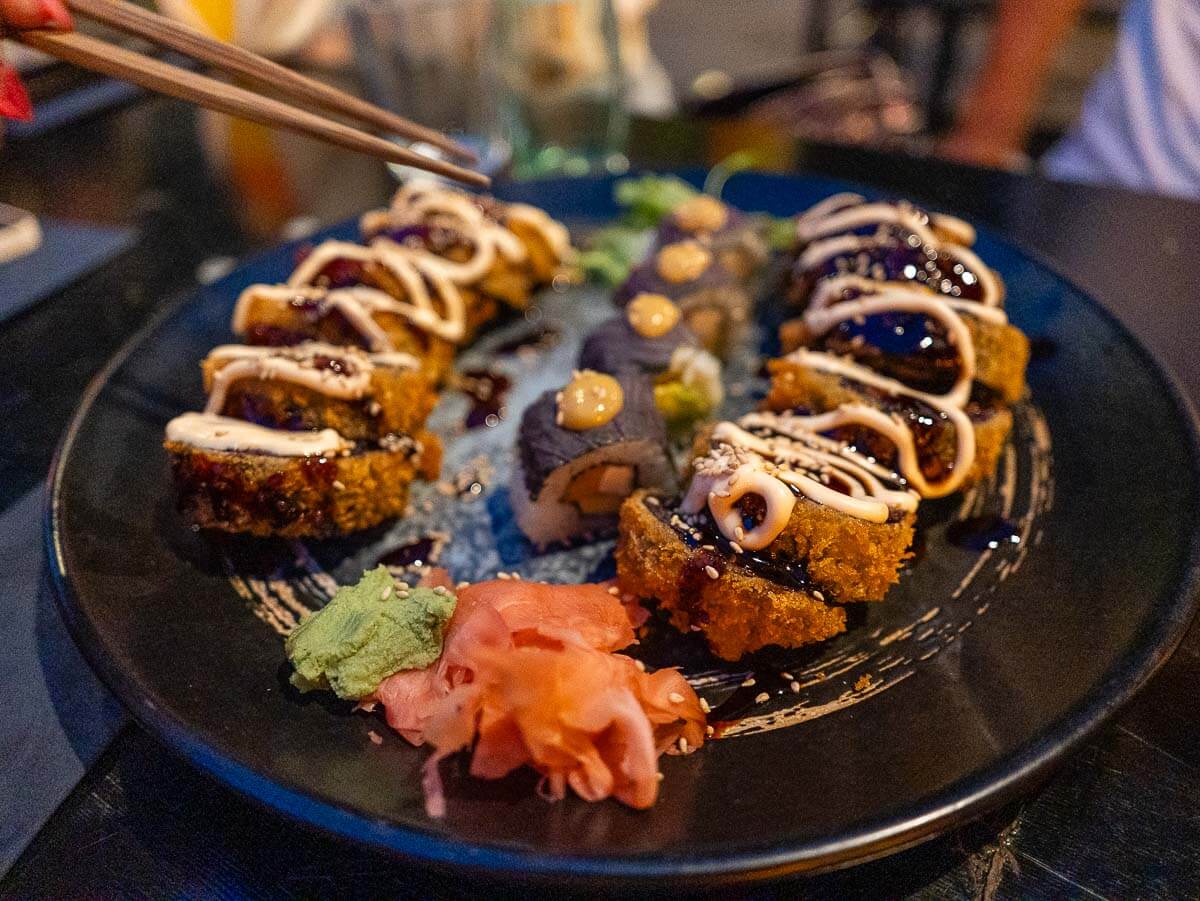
column 651, row 340
column 714, row 302
column 731, row 234
column 582, row 450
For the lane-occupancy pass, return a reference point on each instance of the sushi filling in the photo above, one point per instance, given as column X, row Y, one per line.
column 585, row 495
column 600, row 490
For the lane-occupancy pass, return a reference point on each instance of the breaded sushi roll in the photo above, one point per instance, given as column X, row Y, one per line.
column 715, row 303
column 910, row 334
column 498, row 250
column 363, row 397
column 650, row 339
column 850, row 213
column 238, row 477
column 946, row 269
column 582, row 450
column 737, row 244
column 377, row 298
column 779, row 527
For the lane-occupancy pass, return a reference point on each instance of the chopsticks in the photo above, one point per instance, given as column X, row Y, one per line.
column 155, row 75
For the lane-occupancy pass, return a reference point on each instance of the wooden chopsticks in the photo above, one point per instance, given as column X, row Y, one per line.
column 155, row 75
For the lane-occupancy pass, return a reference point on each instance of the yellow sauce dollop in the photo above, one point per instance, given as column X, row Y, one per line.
column 590, row 399
column 701, row 214
column 652, row 315
column 684, row 261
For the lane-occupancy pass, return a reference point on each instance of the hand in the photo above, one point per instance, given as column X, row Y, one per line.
column 14, row 16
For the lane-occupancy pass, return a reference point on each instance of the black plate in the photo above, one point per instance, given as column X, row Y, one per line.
column 982, row 668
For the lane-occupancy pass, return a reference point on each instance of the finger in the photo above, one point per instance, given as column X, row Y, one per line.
column 14, row 102
column 35, row 14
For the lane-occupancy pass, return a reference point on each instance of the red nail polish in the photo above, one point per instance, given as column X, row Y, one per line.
column 14, row 102
column 55, row 14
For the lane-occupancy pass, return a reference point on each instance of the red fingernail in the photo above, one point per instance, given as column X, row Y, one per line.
column 14, row 101
column 55, row 14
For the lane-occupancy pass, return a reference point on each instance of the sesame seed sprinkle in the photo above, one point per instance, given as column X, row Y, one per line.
column 795, row 686
column 749, row 683
column 614, row 591
column 705, row 706
column 683, row 744
column 675, row 697
column 712, row 572
column 761, row 697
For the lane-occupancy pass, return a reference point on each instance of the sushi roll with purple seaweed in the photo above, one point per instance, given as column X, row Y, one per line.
column 737, row 243
column 651, row 340
column 714, row 302
column 582, row 450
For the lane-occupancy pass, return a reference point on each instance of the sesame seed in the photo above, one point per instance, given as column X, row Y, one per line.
column 737, row 548
column 614, row 591
column 659, row 776
column 683, row 744
column 640, row 665
column 787, row 676
column 338, row 485
column 749, row 683
column 462, row 585
column 441, row 589
column 387, row 592
column 705, row 706
column 712, row 572
column 502, row 575
column 675, row 697
column 403, row 586
column 739, row 533
column 795, row 687
column 761, row 697
column 402, row 595
column 707, row 547
column 818, row 595
column 710, row 731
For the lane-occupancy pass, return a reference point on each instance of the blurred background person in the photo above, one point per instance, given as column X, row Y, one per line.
column 1140, row 122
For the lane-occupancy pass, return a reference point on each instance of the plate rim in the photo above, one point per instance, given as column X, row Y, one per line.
column 959, row 803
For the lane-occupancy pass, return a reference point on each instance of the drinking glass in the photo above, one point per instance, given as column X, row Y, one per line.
column 554, row 71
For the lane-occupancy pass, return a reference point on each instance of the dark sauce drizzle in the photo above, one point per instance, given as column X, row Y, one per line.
column 981, row 533
column 487, row 392
column 423, row 551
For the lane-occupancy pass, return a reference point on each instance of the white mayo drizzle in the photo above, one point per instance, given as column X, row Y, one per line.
column 847, row 211
column 359, row 304
column 964, row 433
column 222, row 433
column 823, row 250
column 821, row 320
column 418, row 201
column 295, row 365
column 770, row 454
column 829, row 291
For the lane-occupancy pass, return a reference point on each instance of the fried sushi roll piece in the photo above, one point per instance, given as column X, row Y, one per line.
column 582, row 451
column 946, row 269
column 912, row 335
column 715, row 304
column 902, row 431
column 850, row 213
column 361, row 396
column 501, row 251
column 731, row 235
column 237, row 477
column 379, row 298
column 779, row 527
column 650, row 339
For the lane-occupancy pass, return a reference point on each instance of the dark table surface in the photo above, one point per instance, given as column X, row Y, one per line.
column 1120, row 819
